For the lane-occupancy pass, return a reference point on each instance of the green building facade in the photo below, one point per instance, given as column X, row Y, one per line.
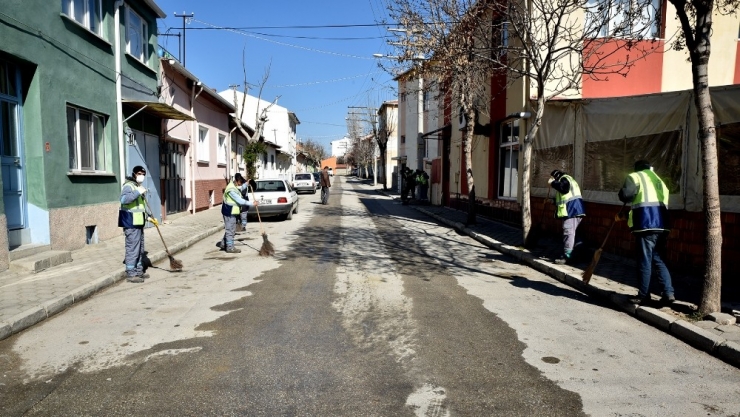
column 64, row 143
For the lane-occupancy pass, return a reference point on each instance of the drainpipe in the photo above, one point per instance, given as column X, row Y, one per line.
column 228, row 153
column 193, row 157
column 119, row 106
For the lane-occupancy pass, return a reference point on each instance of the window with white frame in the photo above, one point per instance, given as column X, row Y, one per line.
column 222, row 149
column 137, row 36
column 240, row 155
column 86, row 140
column 203, row 154
column 88, row 13
column 508, row 175
column 624, row 18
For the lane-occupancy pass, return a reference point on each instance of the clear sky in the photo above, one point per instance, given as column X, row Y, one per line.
column 317, row 72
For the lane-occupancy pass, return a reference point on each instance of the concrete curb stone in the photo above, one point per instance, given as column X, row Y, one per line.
column 730, row 352
column 34, row 315
column 696, row 336
column 655, row 317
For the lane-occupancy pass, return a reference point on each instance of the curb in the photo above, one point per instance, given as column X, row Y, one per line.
column 34, row 315
column 726, row 350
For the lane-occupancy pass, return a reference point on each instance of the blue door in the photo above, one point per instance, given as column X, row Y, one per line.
column 10, row 147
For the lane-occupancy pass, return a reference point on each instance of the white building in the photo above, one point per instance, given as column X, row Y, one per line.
column 340, row 147
column 279, row 132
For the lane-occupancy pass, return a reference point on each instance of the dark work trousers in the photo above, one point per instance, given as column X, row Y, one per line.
column 324, row 195
column 134, row 251
column 650, row 246
column 229, row 231
column 243, row 216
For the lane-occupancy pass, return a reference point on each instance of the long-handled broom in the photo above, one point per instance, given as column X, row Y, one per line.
column 597, row 255
column 175, row 264
column 267, row 248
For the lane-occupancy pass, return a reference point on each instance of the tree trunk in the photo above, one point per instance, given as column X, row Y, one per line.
column 699, row 45
column 468, row 148
column 383, row 148
column 712, row 291
column 527, row 168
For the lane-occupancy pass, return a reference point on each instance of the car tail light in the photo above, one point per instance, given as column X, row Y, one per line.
column 282, row 200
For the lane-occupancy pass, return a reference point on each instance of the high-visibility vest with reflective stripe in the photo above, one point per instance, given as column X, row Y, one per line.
column 650, row 205
column 235, row 208
column 134, row 211
column 569, row 204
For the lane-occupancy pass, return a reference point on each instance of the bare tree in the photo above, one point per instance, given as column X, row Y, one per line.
column 386, row 127
column 695, row 17
column 260, row 115
column 546, row 43
column 315, row 152
column 552, row 48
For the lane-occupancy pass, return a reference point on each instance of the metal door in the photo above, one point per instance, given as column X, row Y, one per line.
column 144, row 151
column 173, row 178
column 10, row 147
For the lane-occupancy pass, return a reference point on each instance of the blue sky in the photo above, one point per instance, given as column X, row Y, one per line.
column 316, row 78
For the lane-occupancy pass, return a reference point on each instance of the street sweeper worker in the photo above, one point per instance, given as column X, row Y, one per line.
column 231, row 210
column 569, row 207
column 132, row 217
column 648, row 220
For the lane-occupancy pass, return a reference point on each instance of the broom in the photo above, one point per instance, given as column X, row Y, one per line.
column 175, row 264
column 267, row 248
column 534, row 234
column 597, row 255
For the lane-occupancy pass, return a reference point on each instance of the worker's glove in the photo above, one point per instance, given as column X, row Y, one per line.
column 550, row 180
column 141, row 190
column 153, row 221
column 620, row 217
column 256, row 203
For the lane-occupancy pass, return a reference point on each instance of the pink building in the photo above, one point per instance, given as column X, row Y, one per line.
column 195, row 155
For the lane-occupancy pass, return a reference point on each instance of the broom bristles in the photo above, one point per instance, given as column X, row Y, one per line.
column 267, row 248
column 175, row 264
column 590, row 270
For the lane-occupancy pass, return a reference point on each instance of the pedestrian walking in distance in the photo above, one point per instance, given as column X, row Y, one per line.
column 325, row 183
column 569, row 207
column 132, row 218
column 648, row 220
column 231, row 210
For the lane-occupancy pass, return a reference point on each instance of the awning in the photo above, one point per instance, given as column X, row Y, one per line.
column 155, row 108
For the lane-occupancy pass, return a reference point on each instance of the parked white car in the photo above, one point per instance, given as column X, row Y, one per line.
column 304, row 182
column 276, row 198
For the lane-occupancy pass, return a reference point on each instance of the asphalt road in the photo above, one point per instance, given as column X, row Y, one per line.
column 368, row 309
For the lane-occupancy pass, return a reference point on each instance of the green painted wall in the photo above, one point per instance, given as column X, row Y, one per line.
column 63, row 63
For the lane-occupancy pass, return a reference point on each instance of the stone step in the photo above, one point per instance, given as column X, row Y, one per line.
column 27, row 250
column 41, row 261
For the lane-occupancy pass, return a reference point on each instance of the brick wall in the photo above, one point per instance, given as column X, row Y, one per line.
column 505, row 211
column 203, row 191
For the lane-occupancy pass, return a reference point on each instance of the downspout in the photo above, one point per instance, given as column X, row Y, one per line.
column 228, row 152
column 119, row 105
column 195, row 134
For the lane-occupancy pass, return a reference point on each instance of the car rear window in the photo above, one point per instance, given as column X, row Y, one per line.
column 270, row 186
column 303, row 176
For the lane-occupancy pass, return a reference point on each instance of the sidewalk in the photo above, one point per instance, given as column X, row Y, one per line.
column 28, row 298
column 614, row 281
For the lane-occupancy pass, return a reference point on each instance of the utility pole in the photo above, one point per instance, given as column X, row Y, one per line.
column 184, row 19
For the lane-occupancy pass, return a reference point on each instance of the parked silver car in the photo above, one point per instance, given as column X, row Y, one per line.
column 276, row 198
column 304, row 182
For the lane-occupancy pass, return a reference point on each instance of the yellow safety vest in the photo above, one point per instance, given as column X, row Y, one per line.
column 569, row 204
column 135, row 209
column 650, row 205
column 235, row 208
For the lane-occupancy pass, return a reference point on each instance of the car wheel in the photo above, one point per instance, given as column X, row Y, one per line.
column 295, row 209
column 289, row 216
column 314, row 191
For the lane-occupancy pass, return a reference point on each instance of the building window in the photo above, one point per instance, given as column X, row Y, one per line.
column 137, row 35
column 222, row 149
column 240, row 155
column 623, row 18
column 403, row 138
column 508, row 174
column 85, row 12
column 203, row 144
column 86, row 140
